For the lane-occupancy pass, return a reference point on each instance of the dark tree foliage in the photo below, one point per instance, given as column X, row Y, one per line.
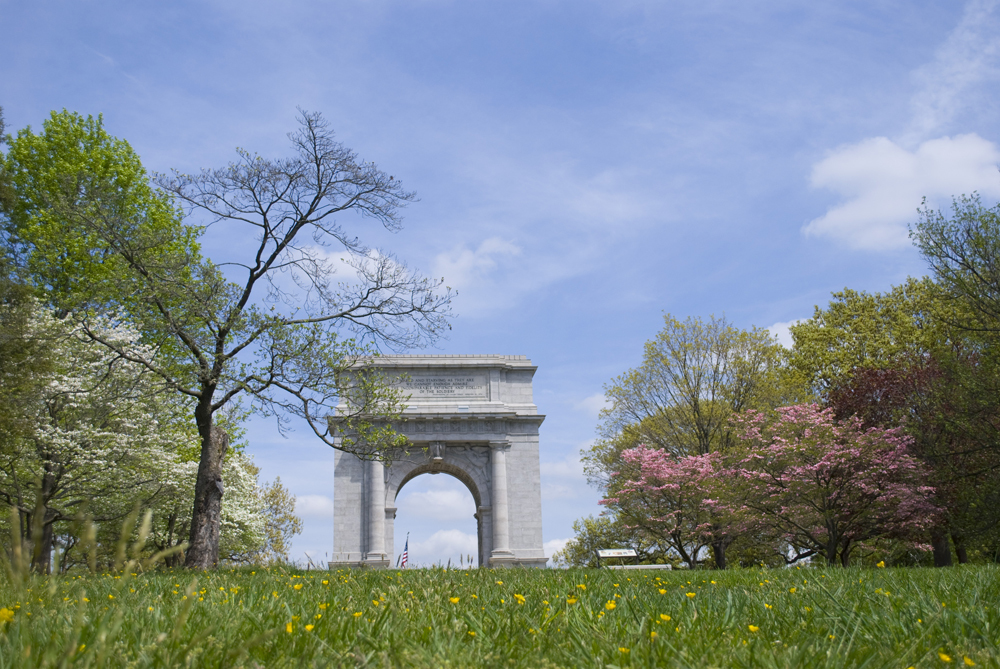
column 951, row 421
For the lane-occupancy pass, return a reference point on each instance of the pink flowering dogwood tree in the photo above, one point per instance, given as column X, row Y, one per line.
column 665, row 497
column 826, row 485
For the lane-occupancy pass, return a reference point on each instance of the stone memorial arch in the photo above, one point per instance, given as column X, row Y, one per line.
column 470, row 416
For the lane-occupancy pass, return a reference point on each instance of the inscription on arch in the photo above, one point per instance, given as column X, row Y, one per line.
column 444, row 385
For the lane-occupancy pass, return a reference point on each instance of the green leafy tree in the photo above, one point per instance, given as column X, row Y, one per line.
column 694, row 377
column 869, row 330
column 963, row 251
column 75, row 171
column 604, row 531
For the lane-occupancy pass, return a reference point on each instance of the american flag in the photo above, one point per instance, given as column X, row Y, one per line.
column 406, row 551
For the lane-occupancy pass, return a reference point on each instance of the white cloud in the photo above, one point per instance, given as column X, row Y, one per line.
column 462, row 267
column 782, row 332
column 442, row 505
column 883, row 184
column 311, row 506
column 442, row 546
column 593, row 404
column 554, row 545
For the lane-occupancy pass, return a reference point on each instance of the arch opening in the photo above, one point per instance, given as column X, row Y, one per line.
column 442, row 515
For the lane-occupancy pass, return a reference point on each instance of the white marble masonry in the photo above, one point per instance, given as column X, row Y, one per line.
column 470, row 416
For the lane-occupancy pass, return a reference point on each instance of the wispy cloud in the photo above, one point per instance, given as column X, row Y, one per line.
column 313, row 506
column 593, row 405
column 563, row 479
column 465, row 268
column 969, row 55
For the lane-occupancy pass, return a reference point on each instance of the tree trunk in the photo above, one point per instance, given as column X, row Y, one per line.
column 942, row 548
column 831, row 551
column 719, row 553
column 960, row 548
column 42, row 535
column 42, row 557
column 845, row 555
column 203, row 552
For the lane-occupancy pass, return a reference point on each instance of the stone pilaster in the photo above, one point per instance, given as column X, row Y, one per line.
column 376, row 515
column 501, row 525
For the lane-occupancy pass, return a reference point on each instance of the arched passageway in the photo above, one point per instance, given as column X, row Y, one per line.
column 439, row 514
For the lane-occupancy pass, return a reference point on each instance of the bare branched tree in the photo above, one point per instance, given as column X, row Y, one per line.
column 275, row 325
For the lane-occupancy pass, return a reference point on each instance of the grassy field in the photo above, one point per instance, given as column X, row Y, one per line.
column 509, row 618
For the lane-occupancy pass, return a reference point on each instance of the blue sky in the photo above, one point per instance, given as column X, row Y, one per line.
column 582, row 167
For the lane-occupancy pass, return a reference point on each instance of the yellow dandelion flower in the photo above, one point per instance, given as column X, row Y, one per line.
column 753, row 628
column 571, row 600
column 471, row 633
column 322, row 607
column 297, row 586
column 792, row 590
column 662, row 591
column 111, row 596
column 944, row 658
column 881, row 565
column 6, row 615
column 653, row 635
column 967, row 661
column 768, row 606
column 82, row 648
column 830, row 637
column 582, row 586
column 309, row 628
column 499, row 582
column 288, row 627
column 454, row 600
column 623, row 649
column 664, row 617
column 150, row 609
column 690, row 595
column 326, row 582
column 610, row 605
column 357, row 614
column 519, row 598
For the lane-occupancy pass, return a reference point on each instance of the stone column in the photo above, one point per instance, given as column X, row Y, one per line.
column 376, row 512
column 501, row 529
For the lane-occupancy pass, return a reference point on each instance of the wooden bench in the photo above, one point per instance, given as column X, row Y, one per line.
column 606, row 553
